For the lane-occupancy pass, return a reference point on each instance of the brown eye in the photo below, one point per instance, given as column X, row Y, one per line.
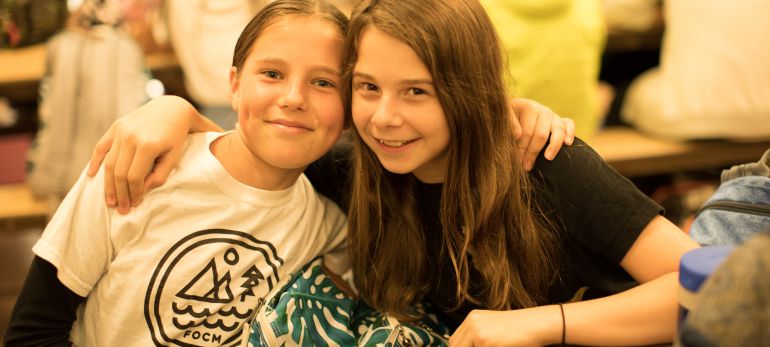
column 324, row 84
column 369, row 87
column 271, row 74
column 416, row 91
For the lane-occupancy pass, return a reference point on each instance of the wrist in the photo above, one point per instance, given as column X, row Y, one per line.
column 179, row 105
column 563, row 325
column 553, row 325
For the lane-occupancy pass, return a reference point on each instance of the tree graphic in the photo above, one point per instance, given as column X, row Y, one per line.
column 252, row 276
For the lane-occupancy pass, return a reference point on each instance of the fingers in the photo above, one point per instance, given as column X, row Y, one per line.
column 527, row 124
column 569, row 129
column 99, row 152
column 141, row 164
column 558, row 134
column 122, row 167
column 533, row 124
column 162, row 169
column 539, row 137
column 109, row 175
column 517, row 130
column 562, row 133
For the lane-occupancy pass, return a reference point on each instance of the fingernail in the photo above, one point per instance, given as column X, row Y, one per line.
column 111, row 202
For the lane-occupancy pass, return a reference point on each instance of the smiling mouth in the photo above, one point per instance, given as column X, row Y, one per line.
column 395, row 143
column 289, row 124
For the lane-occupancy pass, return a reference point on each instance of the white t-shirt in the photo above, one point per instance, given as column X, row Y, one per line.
column 193, row 262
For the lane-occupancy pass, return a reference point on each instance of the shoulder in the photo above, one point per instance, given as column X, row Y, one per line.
column 197, row 143
column 592, row 202
column 578, row 174
column 573, row 164
column 196, row 152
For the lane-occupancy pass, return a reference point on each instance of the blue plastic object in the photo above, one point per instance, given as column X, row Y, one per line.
column 698, row 264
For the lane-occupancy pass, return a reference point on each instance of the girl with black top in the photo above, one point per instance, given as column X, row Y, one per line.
column 441, row 209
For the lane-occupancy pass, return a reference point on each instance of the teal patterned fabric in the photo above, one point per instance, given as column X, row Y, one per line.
column 374, row 328
column 310, row 310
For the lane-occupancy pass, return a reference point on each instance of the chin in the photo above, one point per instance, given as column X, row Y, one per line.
column 397, row 169
column 290, row 161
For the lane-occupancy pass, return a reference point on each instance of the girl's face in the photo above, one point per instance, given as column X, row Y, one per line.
column 396, row 110
column 287, row 93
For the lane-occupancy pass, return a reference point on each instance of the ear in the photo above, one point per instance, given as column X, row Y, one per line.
column 235, row 94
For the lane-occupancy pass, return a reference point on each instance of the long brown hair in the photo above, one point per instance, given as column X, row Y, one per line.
column 280, row 8
column 486, row 208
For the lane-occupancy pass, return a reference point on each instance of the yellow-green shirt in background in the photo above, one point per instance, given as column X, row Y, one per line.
column 554, row 48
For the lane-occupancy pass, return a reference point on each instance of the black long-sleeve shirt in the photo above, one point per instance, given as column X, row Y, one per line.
column 45, row 310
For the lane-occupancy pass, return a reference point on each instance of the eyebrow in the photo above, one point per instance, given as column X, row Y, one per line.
column 271, row 61
column 318, row 68
column 409, row 81
column 327, row 69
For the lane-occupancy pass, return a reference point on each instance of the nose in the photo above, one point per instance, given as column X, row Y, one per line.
column 386, row 113
column 293, row 97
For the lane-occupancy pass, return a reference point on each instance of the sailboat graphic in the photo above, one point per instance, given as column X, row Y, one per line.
column 207, row 286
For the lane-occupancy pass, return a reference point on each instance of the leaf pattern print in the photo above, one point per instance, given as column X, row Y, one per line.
column 310, row 310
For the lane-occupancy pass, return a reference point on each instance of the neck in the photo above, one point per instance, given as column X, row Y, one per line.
column 433, row 172
column 248, row 168
column 428, row 179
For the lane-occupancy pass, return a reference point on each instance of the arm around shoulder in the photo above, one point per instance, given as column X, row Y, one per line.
column 138, row 157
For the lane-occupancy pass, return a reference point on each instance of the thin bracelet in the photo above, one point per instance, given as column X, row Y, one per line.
column 563, row 325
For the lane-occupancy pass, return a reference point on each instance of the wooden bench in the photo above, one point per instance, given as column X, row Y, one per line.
column 633, row 154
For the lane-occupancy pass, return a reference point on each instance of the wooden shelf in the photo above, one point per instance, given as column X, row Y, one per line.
column 28, row 64
column 18, row 202
column 21, row 70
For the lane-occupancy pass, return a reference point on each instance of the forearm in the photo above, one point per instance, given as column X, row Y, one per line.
column 202, row 124
column 197, row 122
column 643, row 315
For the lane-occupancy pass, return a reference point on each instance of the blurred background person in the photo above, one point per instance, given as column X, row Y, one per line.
column 94, row 74
column 554, row 49
column 714, row 75
column 634, row 30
